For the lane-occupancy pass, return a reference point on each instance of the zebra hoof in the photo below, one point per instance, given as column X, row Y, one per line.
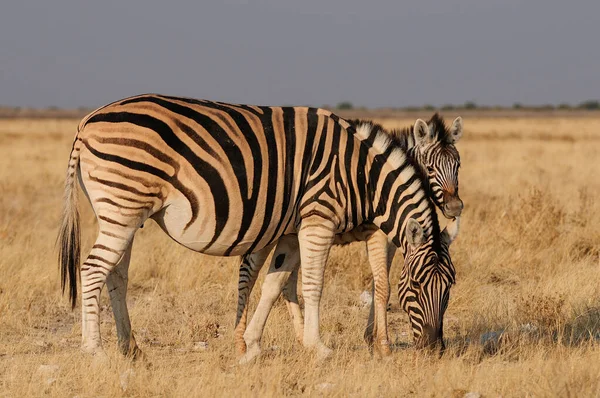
column 136, row 355
column 100, row 359
column 383, row 349
column 323, row 352
column 250, row 356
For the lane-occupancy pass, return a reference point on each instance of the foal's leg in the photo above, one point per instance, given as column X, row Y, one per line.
column 290, row 294
column 284, row 261
column 380, row 254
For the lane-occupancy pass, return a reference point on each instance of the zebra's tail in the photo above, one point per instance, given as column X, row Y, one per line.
column 69, row 236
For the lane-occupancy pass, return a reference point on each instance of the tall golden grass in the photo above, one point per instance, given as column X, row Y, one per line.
column 524, row 316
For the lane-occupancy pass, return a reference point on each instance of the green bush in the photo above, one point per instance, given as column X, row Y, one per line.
column 345, row 105
column 589, row 104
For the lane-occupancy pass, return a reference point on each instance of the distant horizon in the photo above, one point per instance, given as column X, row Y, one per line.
column 591, row 104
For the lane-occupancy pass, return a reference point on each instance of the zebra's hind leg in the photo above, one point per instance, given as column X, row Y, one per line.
column 110, row 247
column 284, row 261
column 248, row 272
column 116, row 283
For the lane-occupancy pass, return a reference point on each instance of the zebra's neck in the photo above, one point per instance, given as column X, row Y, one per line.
column 403, row 139
column 397, row 190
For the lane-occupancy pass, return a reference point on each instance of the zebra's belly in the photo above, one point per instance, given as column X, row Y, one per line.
column 202, row 235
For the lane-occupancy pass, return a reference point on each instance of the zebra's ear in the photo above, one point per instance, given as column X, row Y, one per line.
column 455, row 131
column 451, row 231
column 423, row 134
column 414, row 233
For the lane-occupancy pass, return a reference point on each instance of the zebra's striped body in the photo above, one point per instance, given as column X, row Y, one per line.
column 225, row 180
column 431, row 145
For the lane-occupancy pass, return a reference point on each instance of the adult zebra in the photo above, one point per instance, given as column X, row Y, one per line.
column 225, row 179
column 431, row 146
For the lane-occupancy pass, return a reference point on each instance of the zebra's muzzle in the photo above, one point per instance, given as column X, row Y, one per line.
column 431, row 339
column 453, row 207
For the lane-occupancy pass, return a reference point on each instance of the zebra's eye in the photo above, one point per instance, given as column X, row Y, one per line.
column 415, row 284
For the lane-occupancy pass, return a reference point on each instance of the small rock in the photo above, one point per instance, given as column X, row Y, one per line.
column 366, row 299
column 124, row 378
column 472, row 395
column 491, row 337
column 200, row 346
column 528, row 328
column 48, row 370
column 492, row 341
column 42, row 343
column 325, row 386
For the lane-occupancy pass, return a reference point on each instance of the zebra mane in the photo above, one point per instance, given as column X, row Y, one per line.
column 397, row 142
column 440, row 130
column 403, row 137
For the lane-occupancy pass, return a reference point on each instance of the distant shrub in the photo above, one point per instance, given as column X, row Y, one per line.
column 546, row 107
column 564, row 105
column 517, row 105
column 589, row 104
column 448, row 107
column 411, row 108
column 345, row 105
column 470, row 105
column 429, row 107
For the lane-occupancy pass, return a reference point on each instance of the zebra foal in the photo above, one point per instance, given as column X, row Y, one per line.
column 431, row 146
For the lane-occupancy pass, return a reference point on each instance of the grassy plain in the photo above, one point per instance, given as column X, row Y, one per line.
column 524, row 316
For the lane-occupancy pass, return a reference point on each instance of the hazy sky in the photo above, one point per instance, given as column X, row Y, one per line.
column 303, row 52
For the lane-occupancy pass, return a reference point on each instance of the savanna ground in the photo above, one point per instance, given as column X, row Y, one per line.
column 523, row 320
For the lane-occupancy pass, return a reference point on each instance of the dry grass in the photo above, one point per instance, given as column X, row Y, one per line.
column 524, row 317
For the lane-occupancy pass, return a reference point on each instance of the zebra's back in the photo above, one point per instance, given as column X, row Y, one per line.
column 219, row 178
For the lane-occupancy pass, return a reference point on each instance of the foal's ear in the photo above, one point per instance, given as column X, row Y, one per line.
column 451, row 231
column 423, row 134
column 414, row 233
column 455, row 131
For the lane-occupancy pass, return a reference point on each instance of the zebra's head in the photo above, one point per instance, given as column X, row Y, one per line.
column 425, row 281
column 438, row 158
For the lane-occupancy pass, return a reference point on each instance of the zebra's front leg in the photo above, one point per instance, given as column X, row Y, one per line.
column 380, row 254
column 284, row 261
column 116, row 283
column 315, row 238
column 110, row 247
column 248, row 273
